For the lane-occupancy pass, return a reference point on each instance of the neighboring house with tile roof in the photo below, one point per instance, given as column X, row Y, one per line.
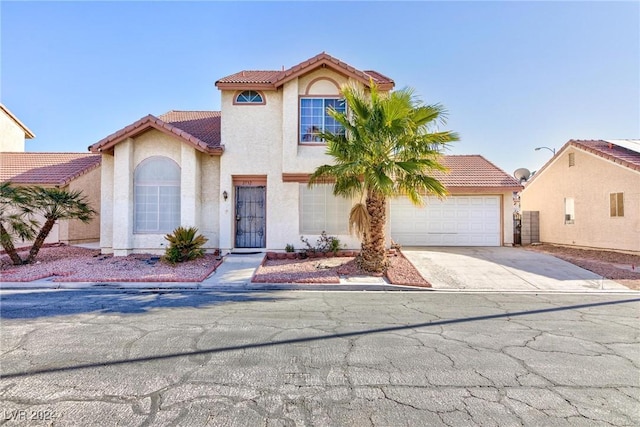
column 12, row 132
column 70, row 171
column 240, row 175
column 588, row 195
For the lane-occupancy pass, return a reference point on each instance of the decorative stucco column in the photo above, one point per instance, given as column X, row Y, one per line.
column 123, row 198
column 106, row 204
column 189, row 187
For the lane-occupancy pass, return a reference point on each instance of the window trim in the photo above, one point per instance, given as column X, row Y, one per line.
column 156, row 185
column 570, row 217
column 299, row 131
column 616, row 205
column 240, row 92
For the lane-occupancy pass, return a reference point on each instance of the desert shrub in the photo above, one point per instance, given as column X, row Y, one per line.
column 323, row 244
column 289, row 248
column 184, row 245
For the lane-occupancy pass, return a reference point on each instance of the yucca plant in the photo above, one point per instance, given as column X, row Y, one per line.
column 185, row 244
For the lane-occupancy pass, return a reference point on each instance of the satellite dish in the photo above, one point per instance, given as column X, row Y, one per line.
column 522, row 174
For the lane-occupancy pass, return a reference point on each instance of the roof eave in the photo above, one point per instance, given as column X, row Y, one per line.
column 78, row 174
column 346, row 70
column 611, row 158
column 482, row 189
column 145, row 124
column 243, row 86
column 27, row 132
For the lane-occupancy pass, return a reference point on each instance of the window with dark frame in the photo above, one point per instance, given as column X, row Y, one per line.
column 249, row 97
column 315, row 118
column 616, row 204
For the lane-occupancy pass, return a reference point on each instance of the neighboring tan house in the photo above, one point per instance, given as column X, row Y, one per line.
column 240, row 175
column 588, row 195
column 70, row 171
column 12, row 132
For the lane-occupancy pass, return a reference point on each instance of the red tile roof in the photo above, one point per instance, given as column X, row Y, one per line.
column 204, row 125
column 610, row 151
column 275, row 79
column 201, row 129
column 474, row 173
column 261, row 77
column 46, row 168
column 27, row 133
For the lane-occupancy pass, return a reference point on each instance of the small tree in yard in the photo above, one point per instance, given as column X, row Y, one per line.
column 55, row 204
column 15, row 219
column 388, row 146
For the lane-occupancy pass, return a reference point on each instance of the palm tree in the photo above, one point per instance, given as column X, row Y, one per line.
column 55, row 204
column 15, row 219
column 389, row 146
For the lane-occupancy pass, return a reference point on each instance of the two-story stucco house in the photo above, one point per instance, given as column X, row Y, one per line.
column 12, row 132
column 588, row 195
column 240, row 175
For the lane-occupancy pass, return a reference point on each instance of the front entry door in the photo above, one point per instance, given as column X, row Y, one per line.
column 250, row 217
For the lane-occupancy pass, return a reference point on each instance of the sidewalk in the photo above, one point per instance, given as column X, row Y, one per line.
column 237, row 270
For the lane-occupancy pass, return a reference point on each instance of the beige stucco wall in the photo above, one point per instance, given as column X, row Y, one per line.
column 199, row 193
column 106, row 203
column 263, row 140
column 75, row 231
column 53, row 237
column 589, row 183
column 507, row 218
column 11, row 135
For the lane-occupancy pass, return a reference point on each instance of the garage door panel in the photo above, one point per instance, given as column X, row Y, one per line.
column 455, row 221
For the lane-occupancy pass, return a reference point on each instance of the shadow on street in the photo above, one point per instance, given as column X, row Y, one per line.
column 129, row 305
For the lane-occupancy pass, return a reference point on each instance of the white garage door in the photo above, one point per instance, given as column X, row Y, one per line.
column 455, row 221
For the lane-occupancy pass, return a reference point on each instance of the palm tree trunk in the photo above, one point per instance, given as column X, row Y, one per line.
column 7, row 244
column 373, row 255
column 37, row 244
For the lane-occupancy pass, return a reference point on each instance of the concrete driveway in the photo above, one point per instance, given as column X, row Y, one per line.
column 503, row 269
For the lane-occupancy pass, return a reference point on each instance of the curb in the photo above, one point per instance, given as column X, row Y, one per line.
column 252, row 287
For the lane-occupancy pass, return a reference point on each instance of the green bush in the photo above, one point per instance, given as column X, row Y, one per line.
column 323, row 244
column 184, row 245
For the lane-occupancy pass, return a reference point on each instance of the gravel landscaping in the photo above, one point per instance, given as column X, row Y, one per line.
column 621, row 267
column 331, row 269
column 65, row 263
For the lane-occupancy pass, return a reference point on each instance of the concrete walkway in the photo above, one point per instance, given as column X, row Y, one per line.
column 479, row 269
column 503, row 269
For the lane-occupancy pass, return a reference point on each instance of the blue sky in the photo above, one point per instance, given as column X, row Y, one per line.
column 513, row 75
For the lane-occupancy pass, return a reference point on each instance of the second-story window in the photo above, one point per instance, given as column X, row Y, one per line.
column 314, row 118
column 249, row 97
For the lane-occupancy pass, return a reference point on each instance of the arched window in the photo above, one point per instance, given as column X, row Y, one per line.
column 156, row 184
column 249, row 97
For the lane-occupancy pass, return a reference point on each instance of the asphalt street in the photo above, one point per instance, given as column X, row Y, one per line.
column 287, row 358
